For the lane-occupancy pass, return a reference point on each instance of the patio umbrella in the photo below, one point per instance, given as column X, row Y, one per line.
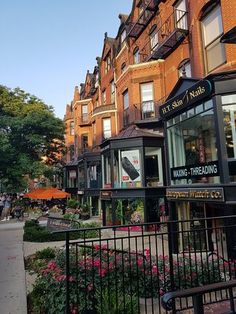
column 46, row 194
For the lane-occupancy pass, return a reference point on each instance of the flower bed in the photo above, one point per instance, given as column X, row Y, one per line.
column 102, row 278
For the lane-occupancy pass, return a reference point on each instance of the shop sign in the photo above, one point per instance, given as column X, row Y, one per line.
column 192, row 95
column 105, row 195
column 58, row 224
column 196, row 194
column 209, row 169
column 130, row 162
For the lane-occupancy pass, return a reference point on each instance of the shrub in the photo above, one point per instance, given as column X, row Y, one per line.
column 47, row 253
column 72, row 203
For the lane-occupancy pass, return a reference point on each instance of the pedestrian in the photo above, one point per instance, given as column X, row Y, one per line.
column 7, row 208
column 2, row 201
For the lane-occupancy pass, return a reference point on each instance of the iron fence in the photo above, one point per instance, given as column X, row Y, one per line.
column 126, row 269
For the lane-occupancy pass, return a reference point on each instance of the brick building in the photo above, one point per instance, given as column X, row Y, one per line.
column 165, row 75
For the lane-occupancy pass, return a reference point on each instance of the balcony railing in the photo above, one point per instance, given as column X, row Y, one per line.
column 136, row 28
column 147, row 110
column 170, row 34
column 85, row 119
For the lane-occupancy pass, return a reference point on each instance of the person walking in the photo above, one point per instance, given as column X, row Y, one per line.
column 2, row 201
column 6, row 209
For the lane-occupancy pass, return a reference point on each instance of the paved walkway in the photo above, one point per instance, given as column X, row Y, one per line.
column 12, row 279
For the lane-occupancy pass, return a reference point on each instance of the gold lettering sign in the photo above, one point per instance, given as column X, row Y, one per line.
column 190, row 96
column 211, row 194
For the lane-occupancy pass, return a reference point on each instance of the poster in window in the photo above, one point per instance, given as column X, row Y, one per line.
column 130, row 162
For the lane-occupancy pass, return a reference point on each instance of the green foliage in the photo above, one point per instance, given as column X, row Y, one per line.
column 72, row 203
column 29, row 131
column 46, row 253
column 116, row 302
column 33, row 232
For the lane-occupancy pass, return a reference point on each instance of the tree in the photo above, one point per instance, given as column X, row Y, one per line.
column 31, row 137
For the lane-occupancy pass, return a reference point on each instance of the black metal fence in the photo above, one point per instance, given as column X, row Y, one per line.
column 126, row 269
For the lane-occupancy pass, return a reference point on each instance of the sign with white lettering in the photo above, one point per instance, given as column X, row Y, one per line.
column 192, row 95
column 209, row 169
column 196, row 194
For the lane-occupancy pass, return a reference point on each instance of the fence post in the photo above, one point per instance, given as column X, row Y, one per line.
column 198, row 304
column 67, row 273
column 170, row 251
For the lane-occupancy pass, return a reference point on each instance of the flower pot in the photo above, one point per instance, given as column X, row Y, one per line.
column 150, row 305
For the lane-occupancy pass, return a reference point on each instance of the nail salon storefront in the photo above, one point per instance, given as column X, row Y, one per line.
column 200, row 133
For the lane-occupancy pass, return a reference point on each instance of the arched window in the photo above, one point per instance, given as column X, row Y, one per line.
column 184, row 68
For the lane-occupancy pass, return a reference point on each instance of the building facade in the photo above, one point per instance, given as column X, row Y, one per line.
column 157, row 115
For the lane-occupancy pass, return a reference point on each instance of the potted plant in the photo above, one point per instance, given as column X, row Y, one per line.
column 84, row 211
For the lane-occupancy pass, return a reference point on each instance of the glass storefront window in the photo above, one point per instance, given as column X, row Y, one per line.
column 153, row 167
column 229, row 114
column 129, row 211
column 192, row 143
column 107, row 171
column 81, row 177
column 127, row 168
column 94, row 176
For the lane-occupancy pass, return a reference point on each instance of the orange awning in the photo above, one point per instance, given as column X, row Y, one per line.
column 46, row 194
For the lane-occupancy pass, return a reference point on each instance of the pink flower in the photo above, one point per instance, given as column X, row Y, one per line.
column 102, row 272
column 90, row 287
column 140, row 262
column 52, row 265
column 97, row 262
column 147, row 252
column 154, row 269
column 96, row 247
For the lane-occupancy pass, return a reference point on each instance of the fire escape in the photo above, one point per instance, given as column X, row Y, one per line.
column 149, row 10
column 166, row 38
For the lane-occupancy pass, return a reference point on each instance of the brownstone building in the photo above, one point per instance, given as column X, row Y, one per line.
column 165, row 75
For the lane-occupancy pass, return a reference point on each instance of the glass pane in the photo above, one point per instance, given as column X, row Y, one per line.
column 212, row 25
column 126, row 100
column 193, row 142
column 215, row 55
column 146, row 92
column 229, row 113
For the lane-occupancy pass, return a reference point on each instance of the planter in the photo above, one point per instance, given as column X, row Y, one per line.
column 150, row 305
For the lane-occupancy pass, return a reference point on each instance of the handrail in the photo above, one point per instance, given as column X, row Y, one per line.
column 196, row 293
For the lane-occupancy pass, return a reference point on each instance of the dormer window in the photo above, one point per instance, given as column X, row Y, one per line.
column 107, row 63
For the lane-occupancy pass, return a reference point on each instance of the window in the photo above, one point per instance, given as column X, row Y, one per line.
column 94, row 134
column 181, row 15
column 84, row 113
column 148, row 110
column 153, row 166
column 126, row 107
column 229, row 114
column 107, row 63
column 212, row 31
column 185, row 69
column 72, row 151
column 153, row 38
column 122, row 37
column 192, row 145
column 84, row 142
column 112, row 84
column 106, row 128
column 106, row 160
column 72, row 128
column 136, row 56
column 123, row 67
column 72, row 175
column 104, row 97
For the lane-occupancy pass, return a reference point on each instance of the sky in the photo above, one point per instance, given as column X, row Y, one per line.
column 47, row 46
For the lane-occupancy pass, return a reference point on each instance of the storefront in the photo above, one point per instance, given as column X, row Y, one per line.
column 89, row 181
column 133, row 177
column 200, row 133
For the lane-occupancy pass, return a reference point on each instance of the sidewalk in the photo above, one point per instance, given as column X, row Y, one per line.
column 12, row 280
